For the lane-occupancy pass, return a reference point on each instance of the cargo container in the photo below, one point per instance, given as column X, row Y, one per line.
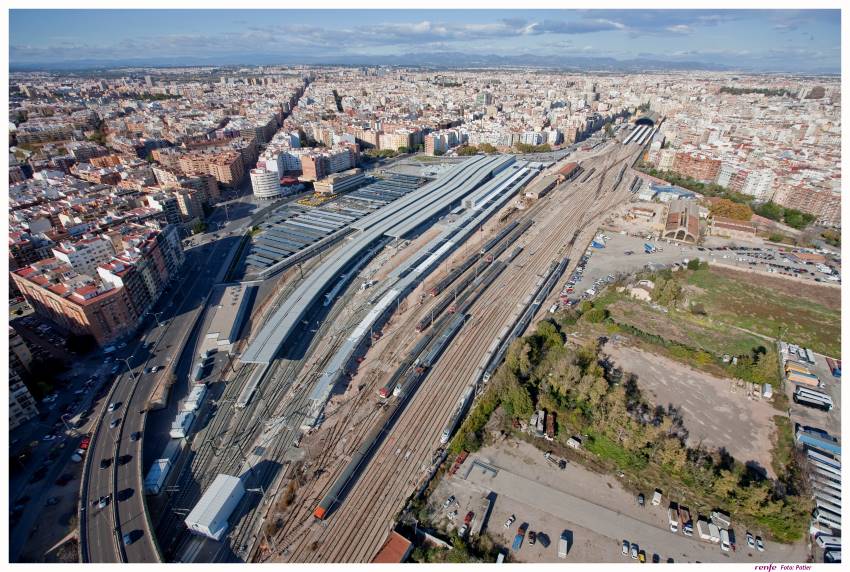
column 825, row 539
column 811, row 381
column 810, row 356
column 818, row 442
column 181, row 425
column 156, row 476
column 832, row 556
column 834, row 366
column 828, row 518
column 791, row 365
column 209, row 517
column 824, row 460
column 812, row 399
column 824, row 504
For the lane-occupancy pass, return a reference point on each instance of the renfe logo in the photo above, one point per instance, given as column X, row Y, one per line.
column 789, row 567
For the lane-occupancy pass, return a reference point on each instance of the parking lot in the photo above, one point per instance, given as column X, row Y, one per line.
column 595, row 509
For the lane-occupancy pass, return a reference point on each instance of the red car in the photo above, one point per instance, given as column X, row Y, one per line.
column 468, row 518
column 84, row 444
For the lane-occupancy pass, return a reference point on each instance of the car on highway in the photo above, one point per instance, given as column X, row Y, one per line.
column 114, row 423
column 103, row 501
column 135, row 436
column 48, row 438
column 128, row 539
column 113, row 406
column 104, row 463
column 510, row 521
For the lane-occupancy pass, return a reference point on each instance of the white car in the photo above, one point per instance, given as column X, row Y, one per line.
column 751, row 542
column 759, row 544
column 634, row 551
column 625, row 548
column 112, row 407
column 510, row 521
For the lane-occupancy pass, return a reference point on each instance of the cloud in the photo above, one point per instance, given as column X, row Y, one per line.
column 680, row 29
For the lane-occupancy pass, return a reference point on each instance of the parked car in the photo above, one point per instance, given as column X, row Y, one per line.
column 634, row 551
column 641, row 499
column 532, row 538
column 135, row 436
column 759, row 544
column 449, row 501
column 626, row 546
column 510, row 521
column 751, row 542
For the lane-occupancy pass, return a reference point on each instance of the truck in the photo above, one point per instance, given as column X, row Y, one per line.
column 721, row 519
column 685, row 520
column 560, row 463
column 725, row 545
column 519, row 536
column 702, row 529
column 656, row 498
column 563, row 545
column 597, row 244
column 673, row 518
column 649, row 248
column 713, row 533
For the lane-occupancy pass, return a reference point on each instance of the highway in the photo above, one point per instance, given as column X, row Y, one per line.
column 102, row 539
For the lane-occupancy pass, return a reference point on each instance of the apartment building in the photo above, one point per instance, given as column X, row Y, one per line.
column 21, row 403
column 85, row 255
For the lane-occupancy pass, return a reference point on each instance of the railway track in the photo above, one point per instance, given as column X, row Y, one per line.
column 384, row 483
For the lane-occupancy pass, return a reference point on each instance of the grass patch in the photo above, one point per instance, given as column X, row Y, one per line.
column 605, row 448
column 737, row 300
column 783, row 448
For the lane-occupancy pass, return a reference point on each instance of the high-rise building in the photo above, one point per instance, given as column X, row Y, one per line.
column 21, row 403
column 265, row 184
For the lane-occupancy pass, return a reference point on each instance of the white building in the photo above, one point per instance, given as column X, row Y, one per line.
column 759, row 184
column 85, row 255
column 265, row 184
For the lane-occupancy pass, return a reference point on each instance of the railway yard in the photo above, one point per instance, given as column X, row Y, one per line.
column 409, row 444
column 353, row 362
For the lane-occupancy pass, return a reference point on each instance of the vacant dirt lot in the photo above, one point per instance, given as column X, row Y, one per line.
column 713, row 410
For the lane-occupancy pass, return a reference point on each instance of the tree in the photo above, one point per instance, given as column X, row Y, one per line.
column 466, row 150
column 596, row 315
column 693, row 264
column 487, row 148
column 199, row 227
column 730, row 209
column 770, row 210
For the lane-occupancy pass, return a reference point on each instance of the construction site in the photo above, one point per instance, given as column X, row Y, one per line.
column 360, row 363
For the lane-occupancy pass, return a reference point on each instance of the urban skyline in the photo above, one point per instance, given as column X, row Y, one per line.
column 749, row 40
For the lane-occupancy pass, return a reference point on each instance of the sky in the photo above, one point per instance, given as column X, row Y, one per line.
column 756, row 40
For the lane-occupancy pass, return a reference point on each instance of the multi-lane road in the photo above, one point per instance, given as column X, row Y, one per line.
column 125, row 513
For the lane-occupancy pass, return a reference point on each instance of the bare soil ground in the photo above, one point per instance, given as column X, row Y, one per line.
column 715, row 411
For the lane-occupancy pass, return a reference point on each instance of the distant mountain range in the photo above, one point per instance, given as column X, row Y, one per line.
column 444, row 60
